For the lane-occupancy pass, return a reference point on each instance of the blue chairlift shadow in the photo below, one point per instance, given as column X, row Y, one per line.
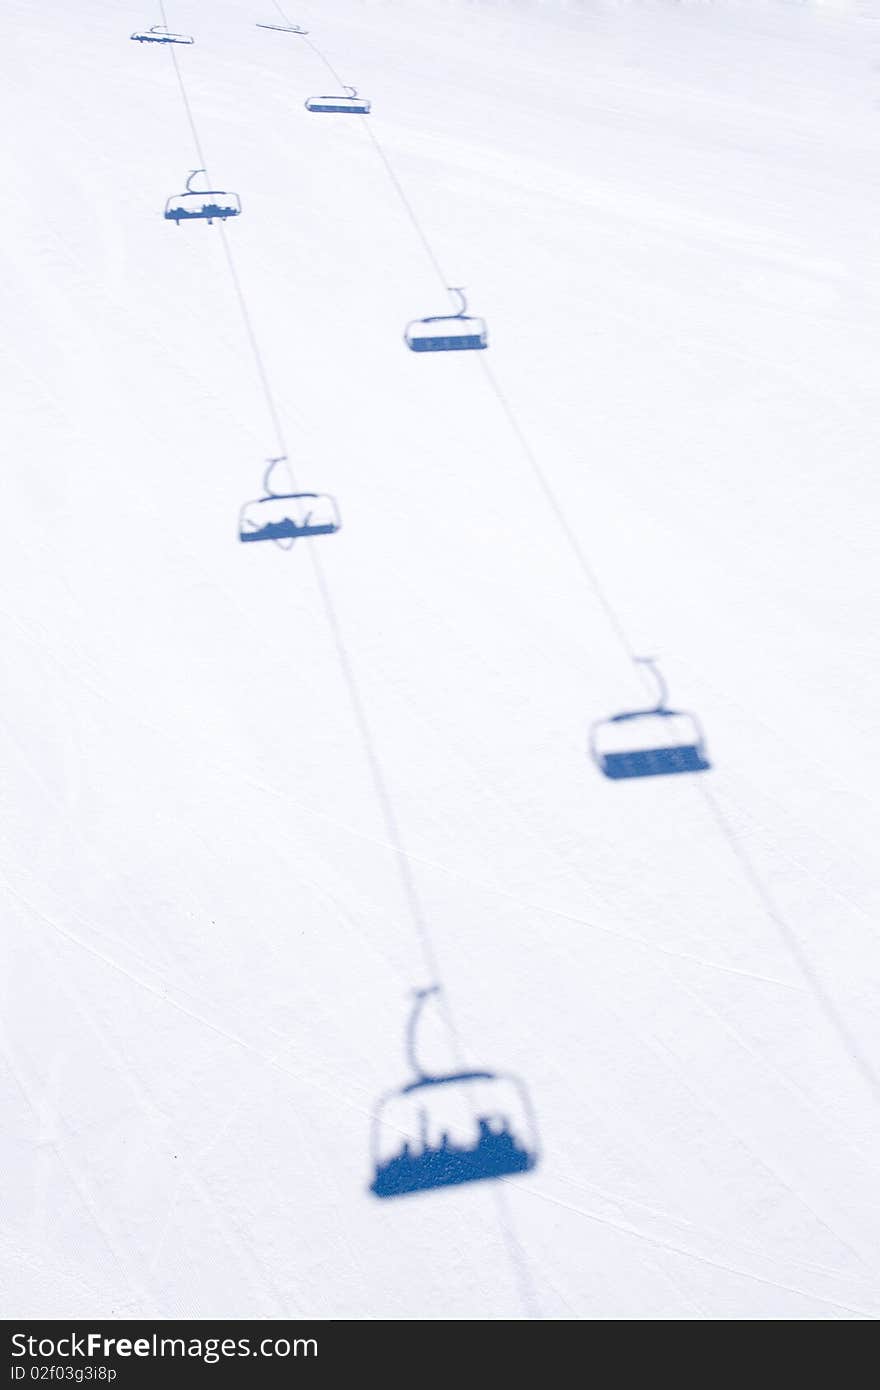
column 458, row 332
column 285, row 517
column 664, row 742
column 348, row 105
column 159, row 34
column 206, row 206
column 284, row 28
column 495, row 1146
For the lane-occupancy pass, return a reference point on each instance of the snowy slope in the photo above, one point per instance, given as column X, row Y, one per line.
column 667, row 213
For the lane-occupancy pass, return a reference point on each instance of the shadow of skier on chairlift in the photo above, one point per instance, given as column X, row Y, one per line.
column 445, row 1130
column 159, row 34
column 207, row 205
column 285, row 517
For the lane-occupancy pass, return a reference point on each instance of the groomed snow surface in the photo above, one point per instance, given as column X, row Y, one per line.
column 667, row 214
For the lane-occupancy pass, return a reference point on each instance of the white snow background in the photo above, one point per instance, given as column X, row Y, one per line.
column 667, row 213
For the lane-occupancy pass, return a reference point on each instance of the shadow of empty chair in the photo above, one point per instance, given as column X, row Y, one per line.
column 284, row 28
column 349, row 104
column 458, row 332
column 652, row 742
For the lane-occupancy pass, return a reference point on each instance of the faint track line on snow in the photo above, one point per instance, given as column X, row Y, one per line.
column 670, row 1247
column 689, row 1227
column 90, row 1205
column 147, row 1102
column 833, row 1015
